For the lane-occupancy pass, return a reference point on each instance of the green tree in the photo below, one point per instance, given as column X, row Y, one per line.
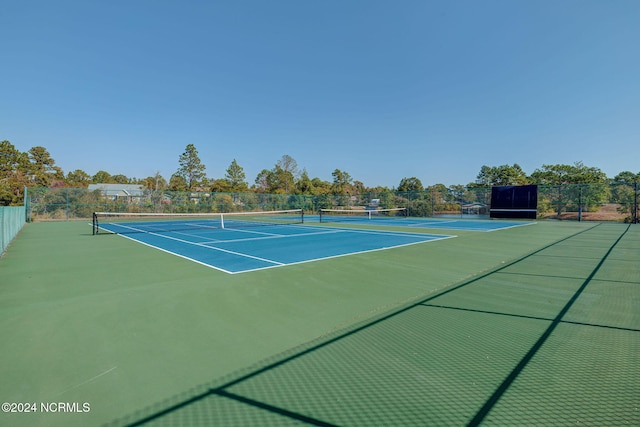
column 458, row 193
column 341, row 182
column 387, row 200
column 177, row 183
column 191, row 168
column 221, row 186
column 410, row 184
column 624, row 189
column 119, row 179
column 43, row 167
column 283, row 175
column 440, row 198
column 577, row 173
column 562, row 189
column 78, row 179
column 320, row 187
column 280, row 179
column 14, row 174
column 10, row 159
column 155, row 183
column 358, row 187
column 235, row 176
column 101, row 177
column 304, row 185
column 288, row 170
column 501, row 175
column 262, row 181
column 342, row 188
column 440, row 193
column 627, row 177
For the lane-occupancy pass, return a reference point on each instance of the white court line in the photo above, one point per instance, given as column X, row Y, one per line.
column 201, row 245
column 333, row 230
column 217, row 229
column 483, row 229
column 349, row 254
column 322, row 230
column 383, row 232
column 199, row 227
column 512, row 226
column 431, row 222
column 277, row 236
column 86, row 382
column 252, row 232
column 267, row 236
column 195, row 235
column 179, row 255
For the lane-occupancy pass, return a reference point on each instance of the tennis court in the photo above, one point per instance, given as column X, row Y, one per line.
column 529, row 325
column 249, row 243
column 335, row 216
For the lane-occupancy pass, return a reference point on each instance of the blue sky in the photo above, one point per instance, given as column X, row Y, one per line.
column 379, row 89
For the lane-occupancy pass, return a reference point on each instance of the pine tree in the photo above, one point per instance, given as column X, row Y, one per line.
column 191, row 168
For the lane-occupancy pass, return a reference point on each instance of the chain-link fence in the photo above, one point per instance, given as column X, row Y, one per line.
column 582, row 202
column 12, row 218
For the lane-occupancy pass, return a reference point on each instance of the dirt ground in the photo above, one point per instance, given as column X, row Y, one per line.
column 608, row 212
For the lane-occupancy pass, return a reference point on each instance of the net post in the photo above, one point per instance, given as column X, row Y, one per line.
column 302, row 216
column 221, row 220
column 94, row 224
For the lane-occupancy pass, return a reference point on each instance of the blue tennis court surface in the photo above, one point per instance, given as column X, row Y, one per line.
column 238, row 250
column 447, row 224
column 466, row 224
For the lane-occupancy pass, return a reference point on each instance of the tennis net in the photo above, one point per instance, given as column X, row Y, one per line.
column 339, row 215
column 122, row 223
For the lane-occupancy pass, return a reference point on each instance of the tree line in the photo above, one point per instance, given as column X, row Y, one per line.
column 37, row 168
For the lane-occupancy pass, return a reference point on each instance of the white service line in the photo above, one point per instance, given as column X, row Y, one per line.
column 202, row 245
column 383, row 232
column 278, row 236
column 347, row 254
column 321, row 230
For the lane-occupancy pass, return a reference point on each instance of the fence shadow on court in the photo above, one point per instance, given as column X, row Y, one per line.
column 444, row 359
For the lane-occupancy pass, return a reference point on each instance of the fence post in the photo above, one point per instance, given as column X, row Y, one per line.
column 580, row 205
column 635, row 202
column 433, row 203
column 27, row 205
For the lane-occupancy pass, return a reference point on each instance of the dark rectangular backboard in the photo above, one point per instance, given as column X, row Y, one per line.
column 514, row 201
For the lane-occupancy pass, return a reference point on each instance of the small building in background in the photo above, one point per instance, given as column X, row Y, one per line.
column 119, row 192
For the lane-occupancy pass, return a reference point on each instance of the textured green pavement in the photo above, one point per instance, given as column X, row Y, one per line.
column 531, row 325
